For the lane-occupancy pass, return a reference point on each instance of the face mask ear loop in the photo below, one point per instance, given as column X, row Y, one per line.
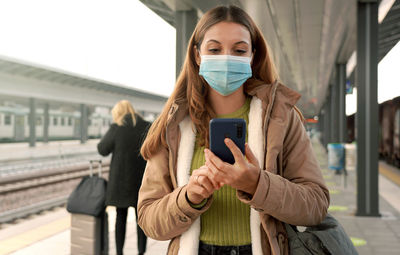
column 201, row 57
column 251, row 59
column 251, row 63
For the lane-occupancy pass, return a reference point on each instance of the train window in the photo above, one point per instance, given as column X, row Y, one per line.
column 55, row 121
column 38, row 121
column 89, row 122
column 62, row 121
column 69, row 121
column 7, row 119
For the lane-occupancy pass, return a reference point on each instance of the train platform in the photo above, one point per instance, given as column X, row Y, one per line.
column 50, row 233
column 10, row 152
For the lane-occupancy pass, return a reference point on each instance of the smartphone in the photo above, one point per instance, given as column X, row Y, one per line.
column 235, row 129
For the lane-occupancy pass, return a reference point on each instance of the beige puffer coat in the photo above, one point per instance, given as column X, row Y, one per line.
column 277, row 137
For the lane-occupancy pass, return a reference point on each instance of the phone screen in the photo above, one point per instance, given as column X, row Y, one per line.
column 235, row 129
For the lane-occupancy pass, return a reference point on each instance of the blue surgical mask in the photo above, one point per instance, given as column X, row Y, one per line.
column 225, row 73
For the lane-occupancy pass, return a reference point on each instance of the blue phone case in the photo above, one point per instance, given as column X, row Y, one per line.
column 235, row 129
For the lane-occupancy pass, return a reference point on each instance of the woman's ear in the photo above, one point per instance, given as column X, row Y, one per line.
column 197, row 55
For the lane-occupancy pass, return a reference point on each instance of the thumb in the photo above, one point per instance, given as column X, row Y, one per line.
column 250, row 156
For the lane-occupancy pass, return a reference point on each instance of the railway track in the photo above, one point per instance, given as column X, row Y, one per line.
column 17, row 167
column 32, row 192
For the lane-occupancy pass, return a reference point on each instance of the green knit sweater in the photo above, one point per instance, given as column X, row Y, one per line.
column 227, row 221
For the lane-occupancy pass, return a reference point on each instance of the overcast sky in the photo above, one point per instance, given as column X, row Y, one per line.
column 121, row 41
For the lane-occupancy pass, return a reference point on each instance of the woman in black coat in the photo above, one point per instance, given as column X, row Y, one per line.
column 123, row 140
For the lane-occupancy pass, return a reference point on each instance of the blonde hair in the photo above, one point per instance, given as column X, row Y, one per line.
column 193, row 89
column 121, row 109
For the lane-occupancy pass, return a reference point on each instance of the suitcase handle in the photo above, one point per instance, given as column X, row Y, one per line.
column 98, row 161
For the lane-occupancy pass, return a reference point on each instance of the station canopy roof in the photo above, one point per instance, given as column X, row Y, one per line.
column 307, row 37
column 38, row 72
column 20, row 80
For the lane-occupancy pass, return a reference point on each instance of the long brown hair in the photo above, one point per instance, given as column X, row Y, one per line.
column 191, row 88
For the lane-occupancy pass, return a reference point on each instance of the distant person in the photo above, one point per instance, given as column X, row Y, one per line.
column 207, row 206
column 123, row 140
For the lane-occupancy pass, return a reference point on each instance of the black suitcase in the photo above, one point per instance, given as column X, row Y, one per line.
column 90, row 195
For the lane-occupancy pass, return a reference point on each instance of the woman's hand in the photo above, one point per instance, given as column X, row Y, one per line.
column 242, row 175
column 200, row 186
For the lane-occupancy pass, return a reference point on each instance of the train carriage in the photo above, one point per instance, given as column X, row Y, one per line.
column 386, row 113
column 63, row 125
column 389, row 131
column 396, row 132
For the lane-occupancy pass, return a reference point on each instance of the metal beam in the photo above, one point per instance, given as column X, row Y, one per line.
column 341, row 85
column 32, row 122
column 205, row 5
column 84, row 123
column 46, row 123
column 161, row 9
column 334, row 114
column 393, row 14
column 321, row 127
column 367, row 109
column 387, row 46
column 327, row 119
column 389, row 26
column 392, row 38
column 185, row 22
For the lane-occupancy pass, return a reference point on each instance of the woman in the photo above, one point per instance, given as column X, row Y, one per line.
column 123, row 140
column 204, row 205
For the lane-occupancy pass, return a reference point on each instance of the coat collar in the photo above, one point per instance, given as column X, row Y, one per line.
column 285, row 97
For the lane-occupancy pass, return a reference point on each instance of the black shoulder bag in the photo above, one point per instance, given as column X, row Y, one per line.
column 90, row 194
column 328, row 237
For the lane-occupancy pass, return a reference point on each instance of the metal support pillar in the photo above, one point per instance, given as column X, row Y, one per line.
column 367, row 108
column 185, row 23
column 333, row 114
column 341, row 84
column 327, row 126
column 336, row 113
column 32, row 122
column 84, row 123
column 321, row 128
column 46, row 123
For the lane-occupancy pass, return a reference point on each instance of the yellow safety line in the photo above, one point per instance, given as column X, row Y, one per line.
column 389, row 174
column 32, row 236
